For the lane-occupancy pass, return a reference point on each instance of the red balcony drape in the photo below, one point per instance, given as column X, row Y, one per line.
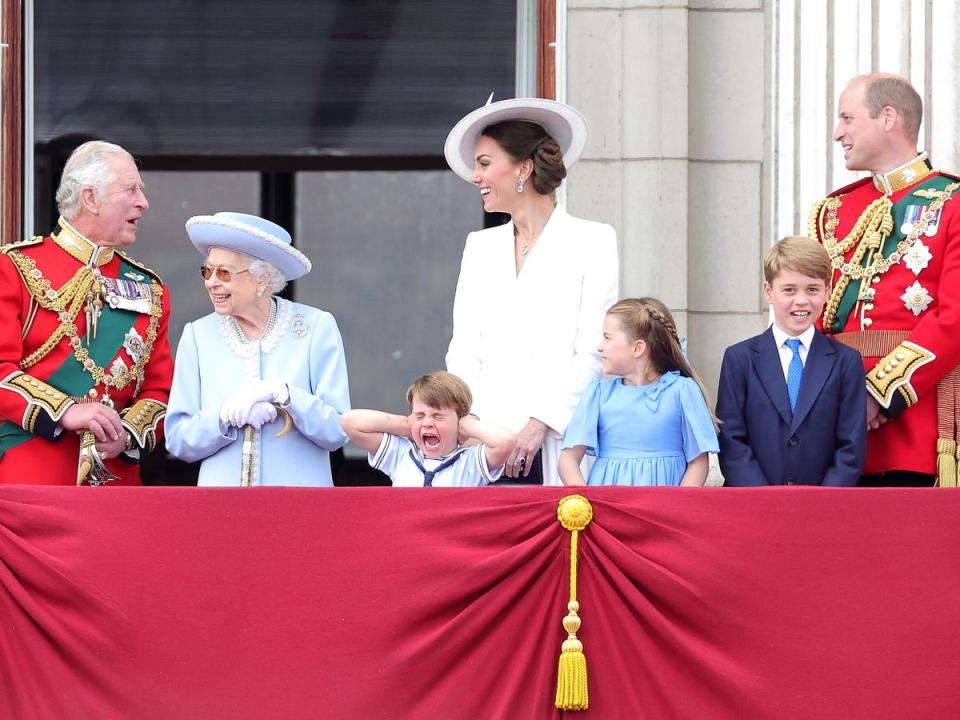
column 437, row 603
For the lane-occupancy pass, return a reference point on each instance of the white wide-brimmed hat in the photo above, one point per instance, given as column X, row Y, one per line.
column 563, row 123
column 250, row 235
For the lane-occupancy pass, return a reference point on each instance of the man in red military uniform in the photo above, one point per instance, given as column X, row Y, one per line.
column 894, row 239
column 85, row 365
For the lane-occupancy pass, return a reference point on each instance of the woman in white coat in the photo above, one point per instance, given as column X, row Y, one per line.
column 531, row 297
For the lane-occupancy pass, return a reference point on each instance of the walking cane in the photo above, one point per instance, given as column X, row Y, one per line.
column 246, row 452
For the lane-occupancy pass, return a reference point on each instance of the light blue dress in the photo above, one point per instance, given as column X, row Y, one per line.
column 642, row 434
column 303, row 348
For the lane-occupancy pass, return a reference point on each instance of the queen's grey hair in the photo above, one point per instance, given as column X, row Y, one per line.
column 88, row 166
column 265, row 272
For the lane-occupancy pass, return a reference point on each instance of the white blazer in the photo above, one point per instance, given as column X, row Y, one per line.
column 526, row 344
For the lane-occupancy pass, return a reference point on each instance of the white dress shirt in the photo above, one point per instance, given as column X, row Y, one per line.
column 786, row 354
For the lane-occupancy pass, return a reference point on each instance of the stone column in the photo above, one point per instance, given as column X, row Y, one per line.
column 674, row 93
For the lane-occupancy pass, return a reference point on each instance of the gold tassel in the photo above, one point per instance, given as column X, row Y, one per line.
column 946, row 462
column 574, row 514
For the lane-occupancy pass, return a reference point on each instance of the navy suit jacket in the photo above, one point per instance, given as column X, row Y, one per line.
column 763, row 443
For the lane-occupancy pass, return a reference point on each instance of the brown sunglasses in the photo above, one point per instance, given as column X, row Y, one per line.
column 223, row 275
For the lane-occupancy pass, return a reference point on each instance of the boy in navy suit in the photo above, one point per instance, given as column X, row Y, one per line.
column 792, row 402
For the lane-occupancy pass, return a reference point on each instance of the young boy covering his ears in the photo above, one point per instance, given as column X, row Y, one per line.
column 427, row 447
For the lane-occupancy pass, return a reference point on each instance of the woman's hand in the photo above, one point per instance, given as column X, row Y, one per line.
column 529, row 441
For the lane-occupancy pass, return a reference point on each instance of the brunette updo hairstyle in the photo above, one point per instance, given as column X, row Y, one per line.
column 524, row 140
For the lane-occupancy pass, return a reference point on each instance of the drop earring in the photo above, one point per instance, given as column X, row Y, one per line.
column 520, row 185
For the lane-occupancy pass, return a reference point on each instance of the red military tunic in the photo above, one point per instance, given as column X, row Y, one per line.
column 47, row 288
column 899, row 304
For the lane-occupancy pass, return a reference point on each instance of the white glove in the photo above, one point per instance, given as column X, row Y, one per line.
column 236, row 410
column 261, row 414
column 269, row 391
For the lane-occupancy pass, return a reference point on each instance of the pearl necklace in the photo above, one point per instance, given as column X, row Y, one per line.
column 271, row 318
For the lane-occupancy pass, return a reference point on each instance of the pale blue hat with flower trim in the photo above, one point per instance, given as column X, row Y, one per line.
column 250, row 235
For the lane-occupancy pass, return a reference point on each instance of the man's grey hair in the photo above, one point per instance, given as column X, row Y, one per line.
column 88, row 166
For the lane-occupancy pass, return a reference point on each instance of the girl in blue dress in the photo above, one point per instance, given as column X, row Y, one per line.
column 649, row 425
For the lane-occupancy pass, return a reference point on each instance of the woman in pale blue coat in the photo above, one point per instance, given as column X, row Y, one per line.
column 255, row 362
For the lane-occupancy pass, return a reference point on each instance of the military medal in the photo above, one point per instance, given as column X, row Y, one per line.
column 934, row 223
column 127, row 294
column 917, row 257
column 910, row 217
column 916, row 298
column 133, row 344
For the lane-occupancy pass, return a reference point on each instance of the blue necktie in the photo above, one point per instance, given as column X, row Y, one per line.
column 794, row 372
column 428, row 475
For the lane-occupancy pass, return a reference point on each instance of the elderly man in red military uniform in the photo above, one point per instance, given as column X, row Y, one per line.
column 894, row 239
column 85, row 365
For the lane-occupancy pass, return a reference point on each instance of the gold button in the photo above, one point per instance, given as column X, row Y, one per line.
column 900, row 356
column 867, row 322
column 868, row 306
column 881, row 374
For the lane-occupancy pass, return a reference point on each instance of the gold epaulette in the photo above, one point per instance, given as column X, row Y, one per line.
column 35, row 240
column 892, row 374
column 140, row 266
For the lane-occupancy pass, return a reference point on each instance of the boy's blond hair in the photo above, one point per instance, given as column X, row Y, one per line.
column 440, row 389
column 800, row 254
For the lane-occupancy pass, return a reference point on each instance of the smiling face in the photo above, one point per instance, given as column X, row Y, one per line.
column 237, row 296
column 797, row 300
column 433, row 429
column 118, row 213
column 496, row 174
column 864, row 142
column 618, row 350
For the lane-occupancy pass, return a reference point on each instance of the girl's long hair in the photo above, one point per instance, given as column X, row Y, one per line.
column 649, row 320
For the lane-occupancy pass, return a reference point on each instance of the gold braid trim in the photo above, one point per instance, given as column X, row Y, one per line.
column 41, row 289
column 72, row 294
column 37, row 394
column 141, row 420
column 813, row 221
column 892, row 374
column 7, row 249
column 871, row 229
column 121, row 380
column 30, row 418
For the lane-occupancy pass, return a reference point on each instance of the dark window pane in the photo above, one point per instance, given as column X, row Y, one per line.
column 386, row 250
column 278, row 78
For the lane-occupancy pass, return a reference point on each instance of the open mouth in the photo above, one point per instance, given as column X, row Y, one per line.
column 800, row 313
column 219, row 297
column 430, row 441
column 484, row 191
